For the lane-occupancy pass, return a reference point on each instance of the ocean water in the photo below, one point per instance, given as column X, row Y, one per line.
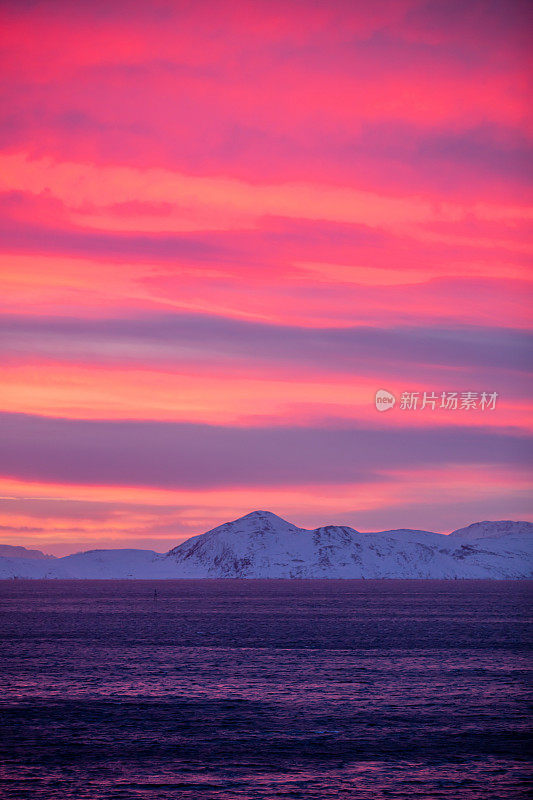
column 264, row 689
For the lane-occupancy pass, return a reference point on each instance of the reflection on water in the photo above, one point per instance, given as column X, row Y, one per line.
column 264, row 689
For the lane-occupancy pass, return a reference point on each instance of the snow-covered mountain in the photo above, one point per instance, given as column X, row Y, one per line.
column 262, row 545
column 13, row 551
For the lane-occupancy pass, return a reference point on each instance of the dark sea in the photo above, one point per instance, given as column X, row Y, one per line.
column 264, row 689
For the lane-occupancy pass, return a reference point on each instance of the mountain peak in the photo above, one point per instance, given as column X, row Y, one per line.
column 258, row 521
column 262, row 515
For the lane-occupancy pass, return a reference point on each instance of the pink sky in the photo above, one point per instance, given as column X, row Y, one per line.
column 226, row 225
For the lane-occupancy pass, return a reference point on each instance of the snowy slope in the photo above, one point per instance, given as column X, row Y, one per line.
column 25, row 567
column 262, row 545
column 113, row 564
column 91, row 564
column 502, row 545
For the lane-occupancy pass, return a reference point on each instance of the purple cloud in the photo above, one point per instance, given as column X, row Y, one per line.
column 184, row 455
column 495, row 355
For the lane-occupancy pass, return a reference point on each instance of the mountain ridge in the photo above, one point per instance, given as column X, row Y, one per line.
column 263, row 545
column 17, row 551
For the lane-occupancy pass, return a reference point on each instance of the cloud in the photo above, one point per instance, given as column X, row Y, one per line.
column 180, row 455
column 156, row 340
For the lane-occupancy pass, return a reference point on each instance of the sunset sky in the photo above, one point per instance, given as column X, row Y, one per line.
column 225, row 226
